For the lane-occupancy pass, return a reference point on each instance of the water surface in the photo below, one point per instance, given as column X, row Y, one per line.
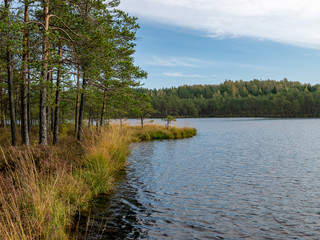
column 237, row 179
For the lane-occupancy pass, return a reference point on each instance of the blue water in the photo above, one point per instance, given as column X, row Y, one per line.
column 242, row 178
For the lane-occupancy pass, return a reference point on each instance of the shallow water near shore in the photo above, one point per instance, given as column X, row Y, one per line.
column 239, row 178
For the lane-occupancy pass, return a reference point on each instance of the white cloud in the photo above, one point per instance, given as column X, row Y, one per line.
column 294, row 22
column 172, row 61
column 178, row 74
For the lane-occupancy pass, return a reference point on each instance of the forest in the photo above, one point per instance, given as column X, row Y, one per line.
column 256, row 98
column 66, row 61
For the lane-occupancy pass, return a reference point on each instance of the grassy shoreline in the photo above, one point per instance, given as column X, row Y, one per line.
column 41, row 189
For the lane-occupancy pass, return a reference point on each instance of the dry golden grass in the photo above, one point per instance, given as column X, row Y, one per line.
column 158, row 132
column 40, row 194
column 42, row 188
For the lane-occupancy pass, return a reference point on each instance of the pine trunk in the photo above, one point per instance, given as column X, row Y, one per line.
column 103, row 108
column 23, row 94
column 13, row 123
column 16, row 101
column 50, row 115
column 49, row 109
column 43, row 131
column 51, row 122
column 81, row 110
column 9, row 59
column 28, row 97
column 57, row 108
column 77, row 102
column 48, row 123
column 3, row 119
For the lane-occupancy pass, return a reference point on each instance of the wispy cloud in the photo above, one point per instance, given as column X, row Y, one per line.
column 173, row 62
column 178, row 74
column 241, row 65
column 289, row 21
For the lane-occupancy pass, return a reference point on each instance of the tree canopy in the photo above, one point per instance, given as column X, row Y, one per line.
column 63, row 60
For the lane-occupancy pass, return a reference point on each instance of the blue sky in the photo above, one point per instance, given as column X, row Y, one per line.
column 213, row 40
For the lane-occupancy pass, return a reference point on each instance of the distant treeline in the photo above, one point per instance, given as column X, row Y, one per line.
column 254, row 98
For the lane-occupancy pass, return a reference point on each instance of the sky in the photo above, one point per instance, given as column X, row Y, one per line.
column 209, row 41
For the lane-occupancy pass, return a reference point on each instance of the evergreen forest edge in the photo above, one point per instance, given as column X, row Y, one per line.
column 256, row 98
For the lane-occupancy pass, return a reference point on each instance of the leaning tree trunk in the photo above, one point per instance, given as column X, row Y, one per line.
column 81, row 110
column 43, row 128
column 57, row 108
column 23, row 95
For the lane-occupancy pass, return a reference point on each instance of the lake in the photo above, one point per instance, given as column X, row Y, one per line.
column 239, row 178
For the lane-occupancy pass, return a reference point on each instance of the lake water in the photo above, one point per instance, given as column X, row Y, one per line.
column 242, row 178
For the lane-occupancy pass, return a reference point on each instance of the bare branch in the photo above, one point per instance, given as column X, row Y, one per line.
column 37, row 23
column 61, row 29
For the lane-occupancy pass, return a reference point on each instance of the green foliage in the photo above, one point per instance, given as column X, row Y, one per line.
column 97, row 41
column 169, row 119
column 238, row 99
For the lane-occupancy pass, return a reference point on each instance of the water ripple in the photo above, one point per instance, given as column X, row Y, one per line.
column 238, row 179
